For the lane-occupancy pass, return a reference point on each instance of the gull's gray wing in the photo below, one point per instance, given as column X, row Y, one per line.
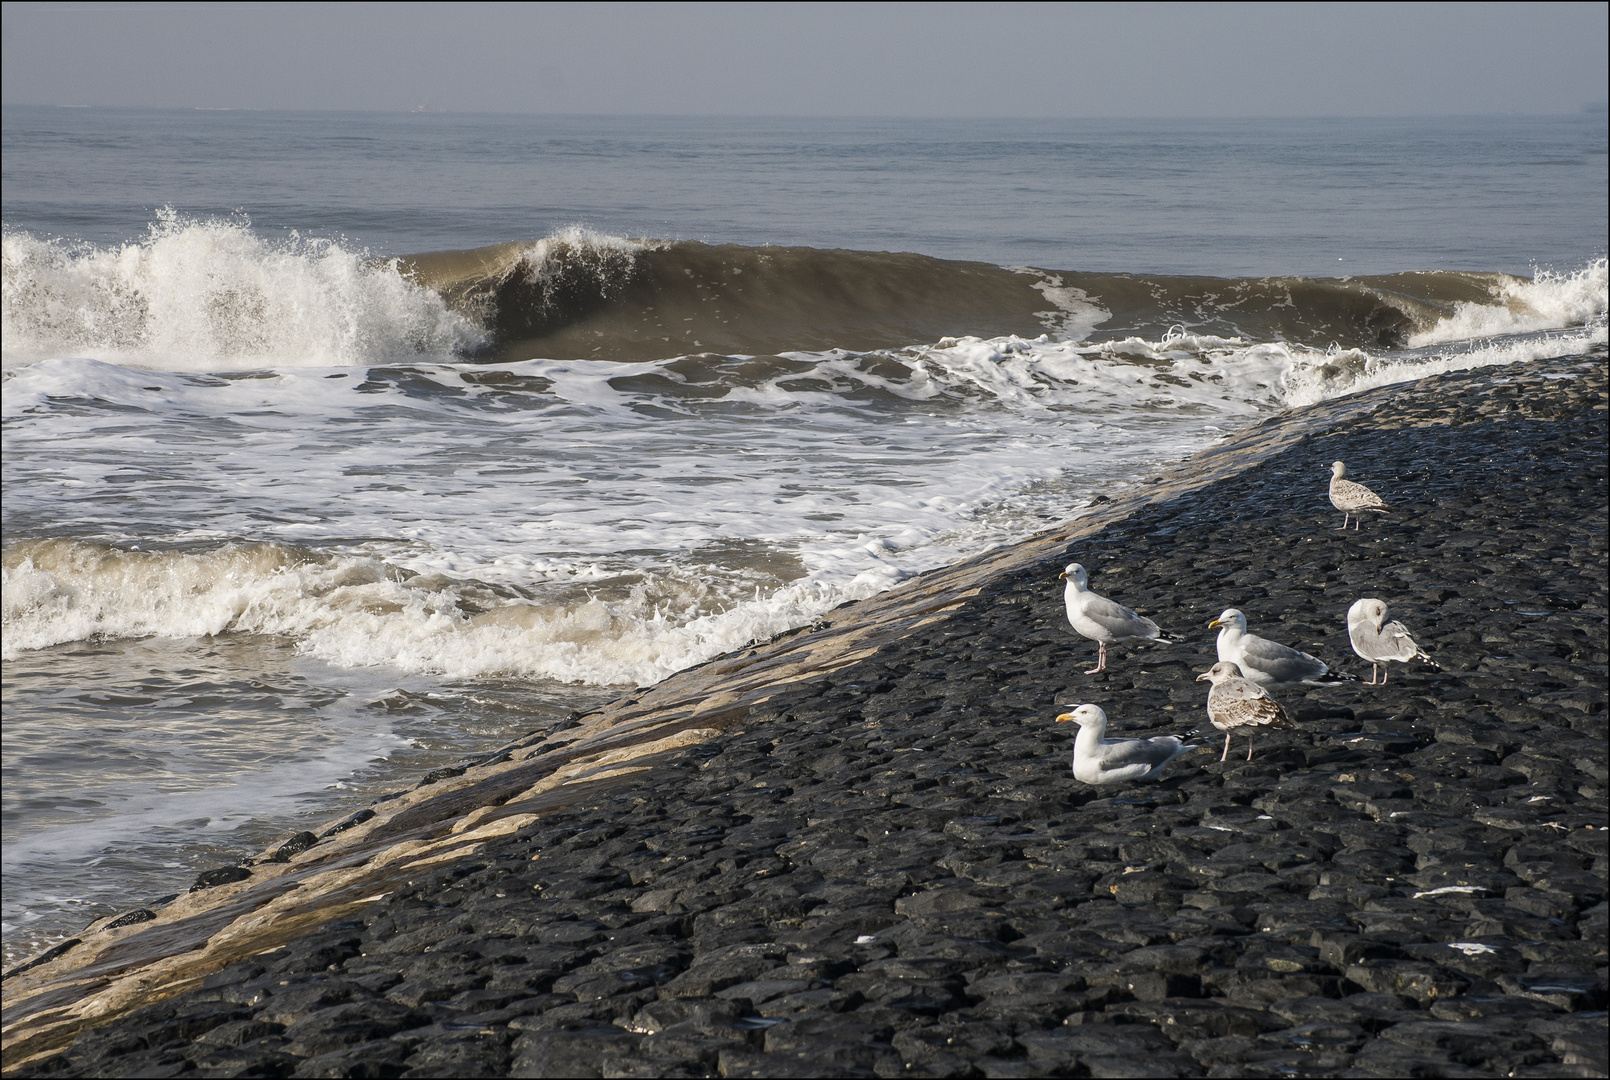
column 1280, row 662
column 1124, row 775
column 1397, row 635
column 1391, row 643
column 1115, row 753
column 1118, row 761
column 1116, row 619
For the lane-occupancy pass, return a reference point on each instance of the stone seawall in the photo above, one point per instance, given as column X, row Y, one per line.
column 857, row 849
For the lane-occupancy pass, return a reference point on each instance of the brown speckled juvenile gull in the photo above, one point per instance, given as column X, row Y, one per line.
column 1100, row 760
column 1235, row 704
column 1352, row 499
column 1099, row 619
column 1377, row 640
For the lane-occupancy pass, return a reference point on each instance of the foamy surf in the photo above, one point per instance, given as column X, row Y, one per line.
column 641, row 558
column 1550, row 301
column 354, row 611
column 213, row 295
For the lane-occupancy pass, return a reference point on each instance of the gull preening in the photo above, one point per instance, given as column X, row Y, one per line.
column 1235, row 703
column 1352, row 499
column 1377, row 640
column 1100, row 760
column 1099, row 619
column 1265, row 662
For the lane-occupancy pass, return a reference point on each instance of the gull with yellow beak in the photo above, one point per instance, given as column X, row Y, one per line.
column 1267, row 663
column 1100, row 760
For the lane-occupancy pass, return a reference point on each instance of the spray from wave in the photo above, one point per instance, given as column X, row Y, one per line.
column 1550, row 301
column 213, row 296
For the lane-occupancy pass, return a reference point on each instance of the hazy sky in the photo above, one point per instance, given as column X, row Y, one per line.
column 821, row 59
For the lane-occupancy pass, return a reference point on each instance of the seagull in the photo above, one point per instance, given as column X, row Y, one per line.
column 1100, row 760
column 1378, row 641
column 1234, row 702
column 1265, row 662
column 1352, row 499
column 1099, row 619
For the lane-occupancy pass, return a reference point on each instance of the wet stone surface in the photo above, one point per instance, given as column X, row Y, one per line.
column 891, row 871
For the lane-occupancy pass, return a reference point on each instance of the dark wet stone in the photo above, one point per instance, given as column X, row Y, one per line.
column 224, row 875
column 437, row 775
column 1572, row 992
column 292, row 847
column 378, row 1058
column 131, row 918
column 345, row 1025
column 342, row 826
column 584, row 1050
column 59, row 949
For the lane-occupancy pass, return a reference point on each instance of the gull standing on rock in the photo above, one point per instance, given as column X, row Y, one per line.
column 1100, row 760
column 1234, row 703
column 1099, row 619
column 1352, row 499
column 1377, row 640
column 1265, row 662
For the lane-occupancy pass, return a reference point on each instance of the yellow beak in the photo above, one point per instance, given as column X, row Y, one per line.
column 1214, row 623
column 1065, row 716
column 1063, row 575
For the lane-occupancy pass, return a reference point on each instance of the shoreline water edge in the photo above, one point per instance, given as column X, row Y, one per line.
column 856, row 849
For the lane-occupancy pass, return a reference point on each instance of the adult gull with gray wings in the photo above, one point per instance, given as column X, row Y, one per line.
column 1100, row 760
column 1267, row 663
column 1101, row 620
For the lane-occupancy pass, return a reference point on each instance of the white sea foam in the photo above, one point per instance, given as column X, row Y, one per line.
column 1345, row 371
column 1074, row 316
column 215, row 296
column 1550, row 301
column 598, row 522
column 355, row 611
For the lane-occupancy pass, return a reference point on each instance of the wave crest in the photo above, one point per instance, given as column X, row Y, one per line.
column 1550, row 301
column 213, row 295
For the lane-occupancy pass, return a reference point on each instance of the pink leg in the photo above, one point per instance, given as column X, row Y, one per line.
column 1226, row 747
column 1384, row 670
column 1344, row 522
column 1372, row 676
column 1101, row 662
column 1249, row 747
column 1356, row 519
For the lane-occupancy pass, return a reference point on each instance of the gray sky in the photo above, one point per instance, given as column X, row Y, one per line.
column 821, row 59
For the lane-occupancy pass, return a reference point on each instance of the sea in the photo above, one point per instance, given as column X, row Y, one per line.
column 338, row 447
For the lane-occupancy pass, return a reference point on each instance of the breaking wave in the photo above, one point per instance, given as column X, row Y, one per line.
column 1550, row 301
column 215, row 296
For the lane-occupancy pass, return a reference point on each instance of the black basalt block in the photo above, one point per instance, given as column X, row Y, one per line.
column 292, row 847
column 224, row 875
column 342, row 826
